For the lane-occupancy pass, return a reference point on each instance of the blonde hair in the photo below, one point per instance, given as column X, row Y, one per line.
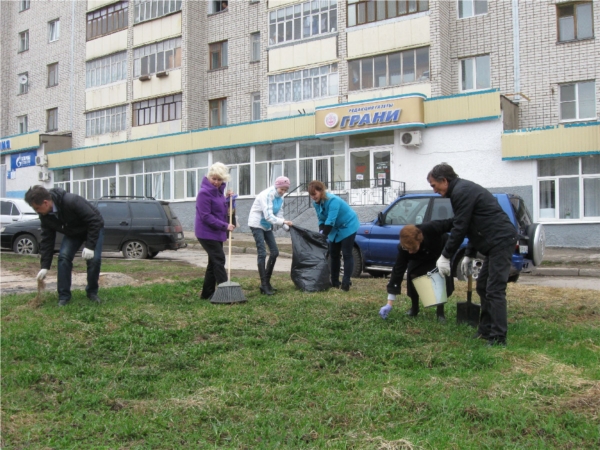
column 220, row 170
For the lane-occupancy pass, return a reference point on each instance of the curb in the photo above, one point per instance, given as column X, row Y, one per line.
column 564, row 272
column 234, row 249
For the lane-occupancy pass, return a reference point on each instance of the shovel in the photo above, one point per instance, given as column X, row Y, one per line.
column 467, row 312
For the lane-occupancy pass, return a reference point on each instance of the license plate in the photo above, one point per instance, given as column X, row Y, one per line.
column 523, row 249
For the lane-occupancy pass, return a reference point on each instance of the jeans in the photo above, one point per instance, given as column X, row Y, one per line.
column 491, row 287
column 345, row 246
column 260, row 237
column 68, row 248
column 215, row 270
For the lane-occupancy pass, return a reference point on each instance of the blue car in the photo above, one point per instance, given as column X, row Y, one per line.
column 376, row 244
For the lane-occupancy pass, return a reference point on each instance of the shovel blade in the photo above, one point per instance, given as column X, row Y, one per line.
column 467, row 312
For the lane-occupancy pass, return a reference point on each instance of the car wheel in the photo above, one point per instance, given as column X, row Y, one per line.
column 477, row 263
column 152, row 254
column 358, row 263
column 536, row 244
column 135, row 250
column 25, row 245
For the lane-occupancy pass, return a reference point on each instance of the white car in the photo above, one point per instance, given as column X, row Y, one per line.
column 15, row 210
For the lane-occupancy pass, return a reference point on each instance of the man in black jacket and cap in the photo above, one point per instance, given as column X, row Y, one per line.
column 80, row 222
column 478, row 216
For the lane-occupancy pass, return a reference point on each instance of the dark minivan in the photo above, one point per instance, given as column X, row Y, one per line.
column 139, row 227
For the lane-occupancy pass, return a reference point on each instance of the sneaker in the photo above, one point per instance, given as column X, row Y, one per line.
column 94, row 298
column 478, row 335
column 62, row 303
column 345, row 287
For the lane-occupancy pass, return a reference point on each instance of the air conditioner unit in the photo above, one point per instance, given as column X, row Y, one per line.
column 41, row 160
column 410, row 138
column 43, row 176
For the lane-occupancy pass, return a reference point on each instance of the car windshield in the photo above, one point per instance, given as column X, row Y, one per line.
column 407, row 211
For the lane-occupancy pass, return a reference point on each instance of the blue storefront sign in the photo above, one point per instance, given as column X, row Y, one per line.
column 20, row 160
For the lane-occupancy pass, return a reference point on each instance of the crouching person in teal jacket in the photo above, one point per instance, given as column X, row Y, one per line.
column 339, row 222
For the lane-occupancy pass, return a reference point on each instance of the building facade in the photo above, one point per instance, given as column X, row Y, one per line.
column 141, row 97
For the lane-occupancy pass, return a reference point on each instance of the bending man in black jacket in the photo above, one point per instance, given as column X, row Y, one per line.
column 478, row 216
column 420, row 247
column 79, row 222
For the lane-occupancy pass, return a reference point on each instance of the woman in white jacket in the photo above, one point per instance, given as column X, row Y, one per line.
column 266, row 211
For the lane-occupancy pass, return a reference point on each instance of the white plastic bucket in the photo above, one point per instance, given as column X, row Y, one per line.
column 431, row 289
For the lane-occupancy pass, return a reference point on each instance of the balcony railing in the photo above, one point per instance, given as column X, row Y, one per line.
column 375, row 191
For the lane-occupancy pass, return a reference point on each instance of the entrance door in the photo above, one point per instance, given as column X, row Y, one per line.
column 370, row 171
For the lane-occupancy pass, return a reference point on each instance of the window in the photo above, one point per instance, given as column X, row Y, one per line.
column 157, row 110
column 578, row 101
column 23, row 83
column 24, row 5
column 255, row 105
column 575, row 21
column 218, row 55
column 470, row 8
column 475, row 73
column 321, row 159
column 52, row 74
column 151, row 9
column 109, row 120
column 365, row 11
column 304, row 84
column 23, row 41
column 22, row 124
column 105, row 70
column 272, row 161
column 157, row 57
column 188, row 172
column 255, row 47
column 52, row 119
column 238, row 162
column 392, row 69
column 53, row 30
column 569, row 188
column 215, row 6
column 301, row 21
column 217, row 112
column 107, row 20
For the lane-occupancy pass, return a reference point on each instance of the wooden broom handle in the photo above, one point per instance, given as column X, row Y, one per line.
column 230, row 223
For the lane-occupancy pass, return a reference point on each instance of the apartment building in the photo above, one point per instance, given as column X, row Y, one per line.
column 360, row 94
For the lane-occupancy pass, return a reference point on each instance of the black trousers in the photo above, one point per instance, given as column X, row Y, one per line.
column 215, row 270
column 491, row 287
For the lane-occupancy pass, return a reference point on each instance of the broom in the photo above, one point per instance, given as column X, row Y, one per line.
column 229, row 292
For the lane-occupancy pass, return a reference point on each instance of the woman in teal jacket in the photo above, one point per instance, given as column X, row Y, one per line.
column 339, row 223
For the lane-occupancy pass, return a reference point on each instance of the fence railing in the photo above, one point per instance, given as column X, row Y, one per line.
column 375, row 191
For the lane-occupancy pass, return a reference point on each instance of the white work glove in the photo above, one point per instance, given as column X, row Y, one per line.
column 87, row 254
column 466, row 266
column 41, row 274
column 443, row 265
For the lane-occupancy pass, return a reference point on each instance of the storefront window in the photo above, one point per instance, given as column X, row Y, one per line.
column 569, row 188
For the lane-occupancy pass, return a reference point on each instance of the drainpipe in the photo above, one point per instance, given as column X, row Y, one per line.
column 516, row 50
column 72, row 65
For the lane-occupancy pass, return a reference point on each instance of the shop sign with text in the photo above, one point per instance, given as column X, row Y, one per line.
column 370, row 115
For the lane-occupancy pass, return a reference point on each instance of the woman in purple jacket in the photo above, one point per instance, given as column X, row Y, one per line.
column 212, row 225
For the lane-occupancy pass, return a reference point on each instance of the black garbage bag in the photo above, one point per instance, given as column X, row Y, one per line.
column 310, row 268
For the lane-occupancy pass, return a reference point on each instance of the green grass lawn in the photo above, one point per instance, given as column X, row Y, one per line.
column 155, row 367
